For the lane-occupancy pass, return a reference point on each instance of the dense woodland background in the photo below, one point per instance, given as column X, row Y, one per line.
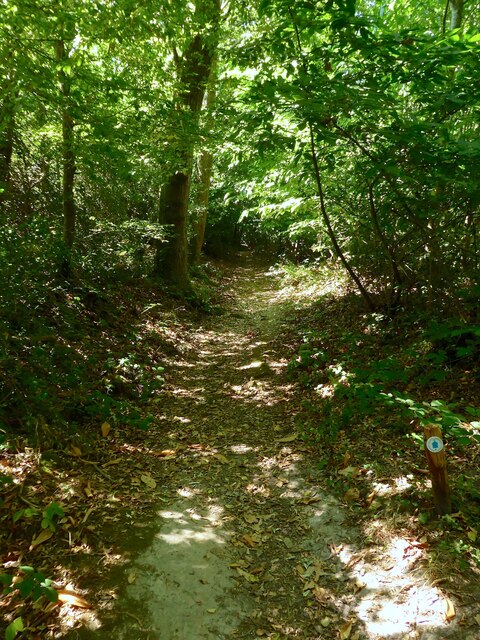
column 131, row 136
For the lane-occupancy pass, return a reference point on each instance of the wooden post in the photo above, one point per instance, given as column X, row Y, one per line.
column 437, row 463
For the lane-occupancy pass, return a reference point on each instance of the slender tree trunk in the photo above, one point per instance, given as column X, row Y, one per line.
column 388, row 249
column 456, row 13
column 7, row 123
column 7, row 129
column 323, row 209
column 330, row 231
column 68, row 158
column 171, row 261
column 205, row 165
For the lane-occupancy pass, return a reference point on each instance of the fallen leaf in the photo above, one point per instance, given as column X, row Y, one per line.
column 358, row 585
column 321, row 594
column 346, row 459
column 449, row 609
column 351, row 495
column 87, row 490
column 221, row 458
column 349, row 472
column 132, row 576
column 370, row 498
column 166, row 453
column 248, row 576
column 290, row 438
column 149, row 481
column 288, row 543
column 472, row 535
column 211, row 610
column 248, row 540
column 261, row 632
column 345, row 630
column 325, row 622
column 42, row 537
column 477, row 618
column 110, row 462
column 106, row 428
column 74, row 451
column 73, row 599
column 250, row 518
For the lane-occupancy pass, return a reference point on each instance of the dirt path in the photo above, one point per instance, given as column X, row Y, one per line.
column 246, row 541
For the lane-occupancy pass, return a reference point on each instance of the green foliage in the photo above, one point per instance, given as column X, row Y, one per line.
column 361, row 386
column 13, row 628
column 31, row 584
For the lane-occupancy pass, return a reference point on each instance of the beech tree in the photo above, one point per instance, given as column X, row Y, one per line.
column 193, row 66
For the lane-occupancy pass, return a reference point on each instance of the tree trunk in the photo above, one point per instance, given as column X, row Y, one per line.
column 171, row 261
column 7, row 123
column 330, row 231
column 389, row 251
column 205, row 165
column 7, row 128
column 68, row 159
column 456, row 13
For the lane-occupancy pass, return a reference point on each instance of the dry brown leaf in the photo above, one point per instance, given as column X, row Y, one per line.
column 321, row 594
column 42, row 537
column 345, row 630
column 87, row 490
column 248, row 540
column 370, row 498
column 346, row 459
column 358, row 585
column 449, row 609
column 351, row 495
column 73, row 599
column 166, row 453
column 106, row 428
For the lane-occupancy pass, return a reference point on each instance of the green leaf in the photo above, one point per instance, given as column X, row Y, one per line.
column 6, row 579
column 13, row 628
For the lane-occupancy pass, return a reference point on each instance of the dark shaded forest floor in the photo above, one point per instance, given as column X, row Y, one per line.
column 222, row 519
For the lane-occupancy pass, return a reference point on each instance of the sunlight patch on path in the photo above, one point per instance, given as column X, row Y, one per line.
column 183, row 577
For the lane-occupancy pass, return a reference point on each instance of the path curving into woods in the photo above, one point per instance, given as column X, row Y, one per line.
column 244, row 538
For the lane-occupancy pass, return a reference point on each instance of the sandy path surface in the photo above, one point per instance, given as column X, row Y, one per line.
column 246, row 541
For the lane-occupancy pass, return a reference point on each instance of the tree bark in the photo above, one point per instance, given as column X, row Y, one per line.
column 330, row 231
column 205, row 165
column 171, row 261
column 68, row 158
column 389, row 251
column 7, row 123
column 7, row 129
column 456, row 13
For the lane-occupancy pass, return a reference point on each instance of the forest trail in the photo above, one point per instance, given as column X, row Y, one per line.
column 246, row 540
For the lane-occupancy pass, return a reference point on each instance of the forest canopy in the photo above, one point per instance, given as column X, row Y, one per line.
column 134, row 135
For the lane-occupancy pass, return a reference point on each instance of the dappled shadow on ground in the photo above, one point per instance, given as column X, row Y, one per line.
column 217, row 522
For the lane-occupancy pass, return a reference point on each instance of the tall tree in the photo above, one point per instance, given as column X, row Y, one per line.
column 194, row 68
column 205, row 167
column 65, row 35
